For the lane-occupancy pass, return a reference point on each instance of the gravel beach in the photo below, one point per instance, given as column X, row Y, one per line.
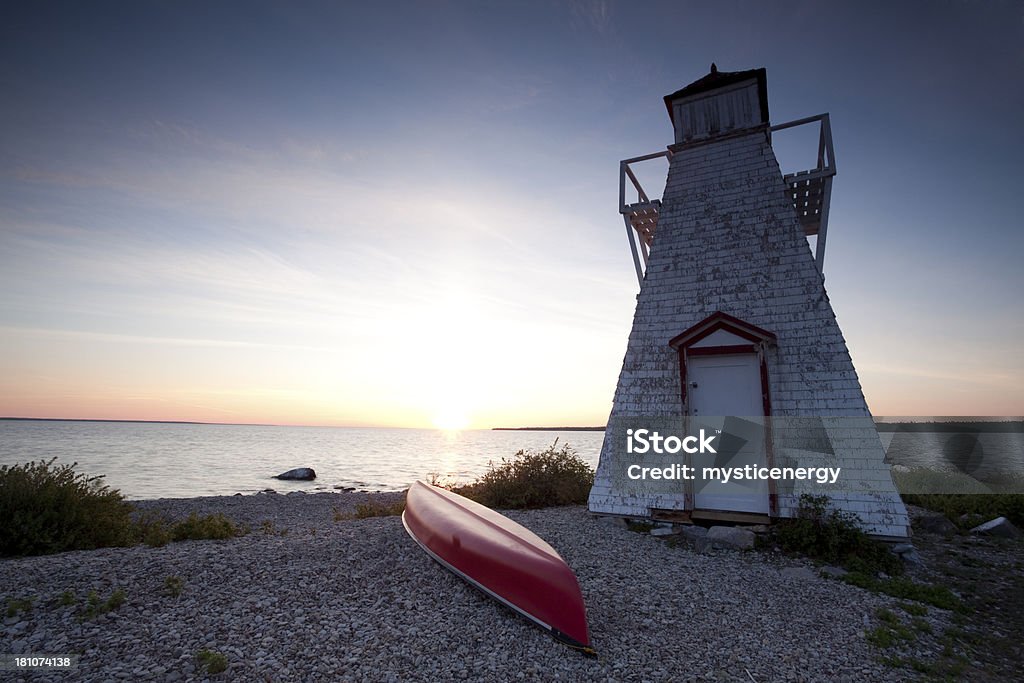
column 314, row 599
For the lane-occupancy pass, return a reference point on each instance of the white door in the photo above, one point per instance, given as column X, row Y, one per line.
column 724, row 393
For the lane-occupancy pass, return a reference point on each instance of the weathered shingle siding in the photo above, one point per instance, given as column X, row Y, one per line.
column 728, row 240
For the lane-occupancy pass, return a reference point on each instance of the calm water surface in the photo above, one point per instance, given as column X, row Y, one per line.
column 146, row 460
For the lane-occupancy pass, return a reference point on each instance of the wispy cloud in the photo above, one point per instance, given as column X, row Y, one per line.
column 106, row 337
column 595, row 15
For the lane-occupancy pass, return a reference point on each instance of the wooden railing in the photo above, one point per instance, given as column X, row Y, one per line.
column 641, row 216
column 810, row 191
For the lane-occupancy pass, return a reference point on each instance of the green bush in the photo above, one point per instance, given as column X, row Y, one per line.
column 834, row 536
column 153, row 530
column 47, row 508
column 534, row 479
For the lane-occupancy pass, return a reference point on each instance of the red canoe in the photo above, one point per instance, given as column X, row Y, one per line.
column 505, row 560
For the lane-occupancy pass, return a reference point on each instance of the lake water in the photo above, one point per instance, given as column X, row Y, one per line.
column 153, row 460
column 148, row 460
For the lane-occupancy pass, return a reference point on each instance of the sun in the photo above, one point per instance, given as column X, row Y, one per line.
column 451, row 420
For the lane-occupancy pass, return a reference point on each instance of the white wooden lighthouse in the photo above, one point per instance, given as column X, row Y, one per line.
column 733, row 328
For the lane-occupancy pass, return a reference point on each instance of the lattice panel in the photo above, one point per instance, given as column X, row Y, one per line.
column 645, row 221
column 807, row 195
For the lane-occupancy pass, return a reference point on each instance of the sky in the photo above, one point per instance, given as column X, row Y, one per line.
column 405, row 214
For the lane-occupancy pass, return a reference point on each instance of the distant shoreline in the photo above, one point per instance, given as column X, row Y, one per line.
column 264, row 424
column 148, row 422
column 547, row 429
column 1005, row 424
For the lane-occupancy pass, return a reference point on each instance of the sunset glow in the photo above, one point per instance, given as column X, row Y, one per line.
column 347, row 215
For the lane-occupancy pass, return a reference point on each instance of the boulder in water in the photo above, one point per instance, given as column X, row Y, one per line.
column 298, row 474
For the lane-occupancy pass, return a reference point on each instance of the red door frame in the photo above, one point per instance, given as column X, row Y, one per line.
column 759, row 340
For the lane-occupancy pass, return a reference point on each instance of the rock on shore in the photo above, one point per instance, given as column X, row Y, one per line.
column 358, row 600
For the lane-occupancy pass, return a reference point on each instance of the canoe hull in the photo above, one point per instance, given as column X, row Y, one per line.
column 503, row 559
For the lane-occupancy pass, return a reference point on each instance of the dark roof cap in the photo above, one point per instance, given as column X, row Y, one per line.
column 718, row 79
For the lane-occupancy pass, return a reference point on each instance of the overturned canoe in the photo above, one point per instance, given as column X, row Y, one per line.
column 505, row 560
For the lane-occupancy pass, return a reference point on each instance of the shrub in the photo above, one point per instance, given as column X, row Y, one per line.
column 834, row 536
column 47, row 508
column 534, row 479
column 153, row 531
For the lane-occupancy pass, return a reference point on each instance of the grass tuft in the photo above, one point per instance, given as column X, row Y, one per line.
column 375, row 509
column 208, row 527
column 174, row 585
column 212, row 662
column 914, row 609
column 15, row 605
column 882, row 637
column 887, row 616
column 921, row 625
column 905, row 589
column 96, row 606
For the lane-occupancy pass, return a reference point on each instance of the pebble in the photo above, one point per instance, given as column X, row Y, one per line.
column 358, row 599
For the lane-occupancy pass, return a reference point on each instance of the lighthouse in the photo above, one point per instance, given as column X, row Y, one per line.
column 734, row 334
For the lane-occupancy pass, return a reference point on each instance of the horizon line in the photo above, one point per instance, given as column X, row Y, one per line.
column 879, row 419
column 274, row 424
